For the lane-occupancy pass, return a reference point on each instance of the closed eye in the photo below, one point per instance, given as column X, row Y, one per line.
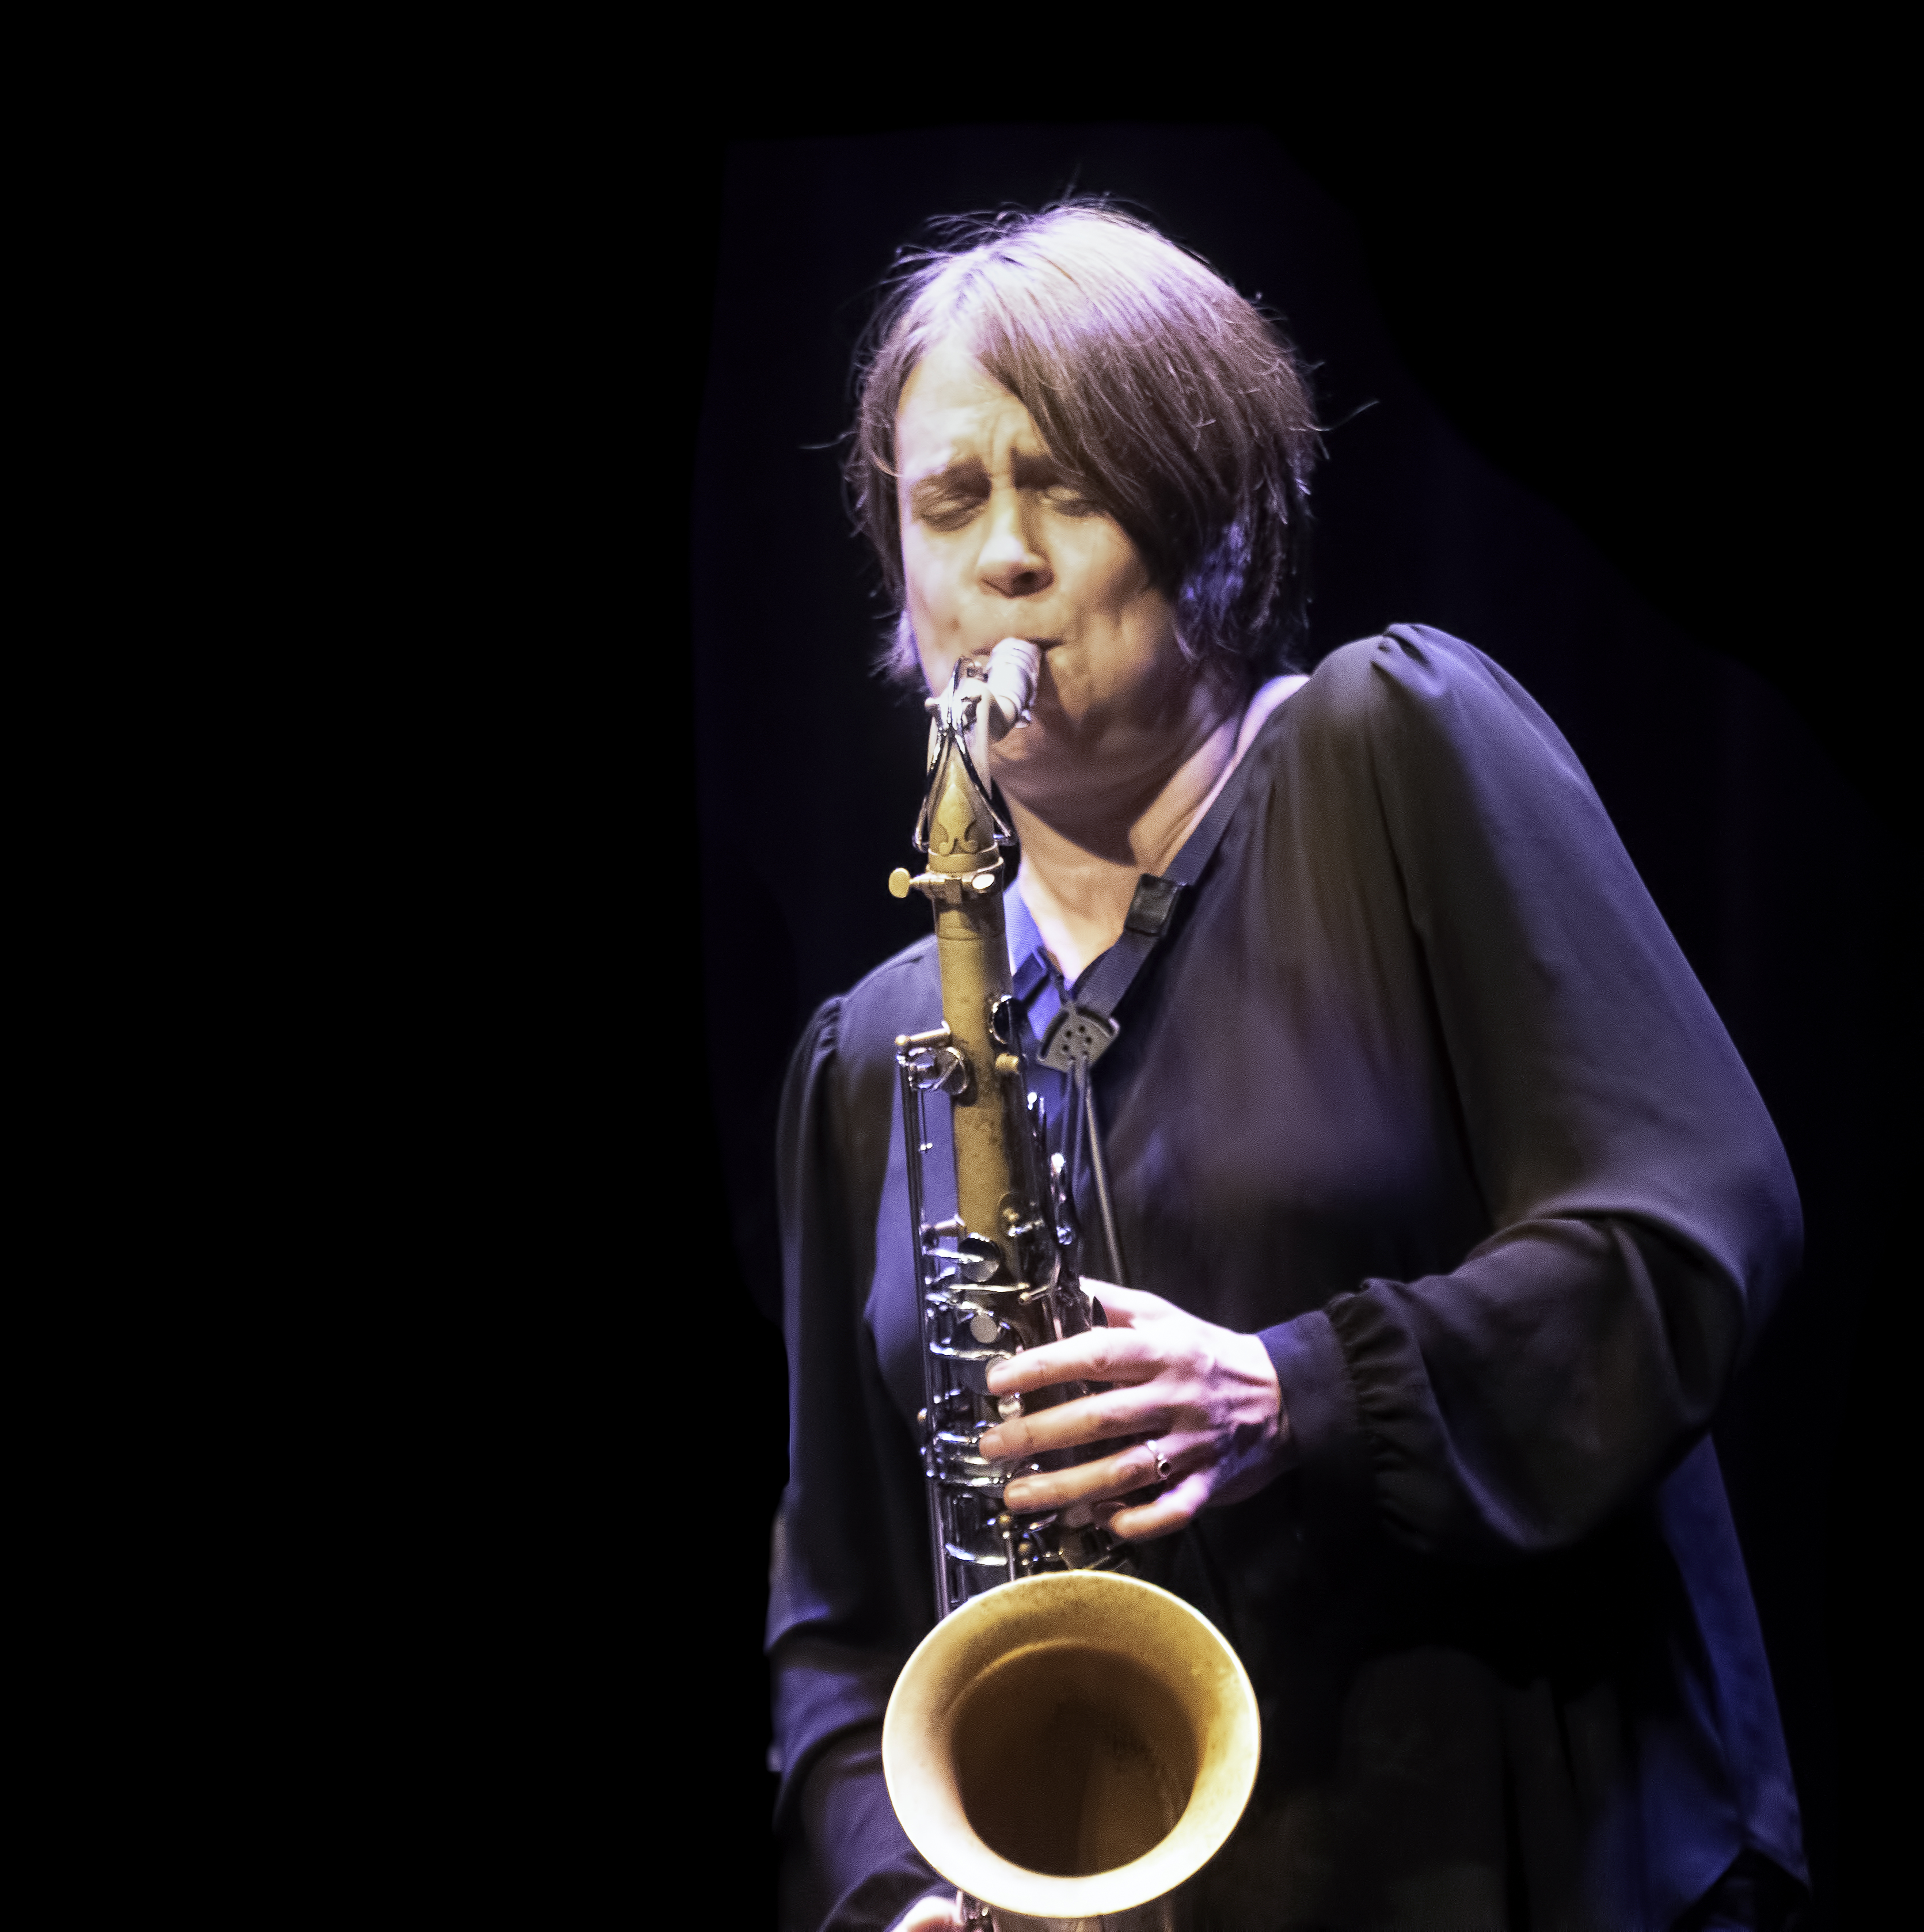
column 1068, row 501
column 951, row 498
column 948, row 509
column 948, row 500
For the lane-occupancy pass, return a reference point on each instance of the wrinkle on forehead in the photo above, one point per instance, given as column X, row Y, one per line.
column 989, row 426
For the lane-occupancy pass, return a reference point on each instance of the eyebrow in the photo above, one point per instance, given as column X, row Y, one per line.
column 1037, row 472
column 966, row 472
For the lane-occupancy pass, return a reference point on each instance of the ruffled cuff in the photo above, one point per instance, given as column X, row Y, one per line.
column 1332, row 1458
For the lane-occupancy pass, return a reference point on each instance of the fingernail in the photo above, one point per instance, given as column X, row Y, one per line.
column 990, row 1443
column 1016, row 1495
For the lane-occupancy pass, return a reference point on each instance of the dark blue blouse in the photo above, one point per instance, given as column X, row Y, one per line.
column 1419, row 1087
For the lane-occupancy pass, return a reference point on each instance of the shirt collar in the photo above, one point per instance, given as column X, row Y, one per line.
column 1028, row 964
column 1025, row 949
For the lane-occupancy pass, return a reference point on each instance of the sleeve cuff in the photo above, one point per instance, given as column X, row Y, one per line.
column 1332, row 1454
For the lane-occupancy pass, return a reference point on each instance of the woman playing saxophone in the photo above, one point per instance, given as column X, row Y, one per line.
column 1435, row 1206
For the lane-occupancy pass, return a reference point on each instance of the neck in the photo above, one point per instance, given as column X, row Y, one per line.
column 1084, row 847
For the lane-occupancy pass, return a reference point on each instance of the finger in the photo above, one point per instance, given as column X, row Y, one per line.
column 1175, row 1509
column 930, row 1915
column 1105, row 1479
column 1127, row 1306
column 1101, row 1355
column 1110, row 1416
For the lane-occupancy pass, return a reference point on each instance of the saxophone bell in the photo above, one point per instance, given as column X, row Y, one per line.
column 1072, row 1750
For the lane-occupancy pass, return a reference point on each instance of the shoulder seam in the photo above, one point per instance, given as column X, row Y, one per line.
column 908, row 956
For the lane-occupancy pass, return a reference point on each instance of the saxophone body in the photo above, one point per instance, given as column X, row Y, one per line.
column 1069, row 1745
column 1001, row 1275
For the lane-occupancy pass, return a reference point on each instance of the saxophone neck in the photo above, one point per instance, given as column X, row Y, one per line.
column 959, row 829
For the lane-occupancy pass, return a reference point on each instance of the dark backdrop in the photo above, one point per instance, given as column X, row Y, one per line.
column 1604, row 417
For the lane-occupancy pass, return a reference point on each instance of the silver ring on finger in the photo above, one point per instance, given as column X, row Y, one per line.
column 1162, row 1461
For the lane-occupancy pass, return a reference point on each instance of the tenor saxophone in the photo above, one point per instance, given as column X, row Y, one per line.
column 1069, row 1745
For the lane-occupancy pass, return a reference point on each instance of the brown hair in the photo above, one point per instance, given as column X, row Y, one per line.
column 1174, row 403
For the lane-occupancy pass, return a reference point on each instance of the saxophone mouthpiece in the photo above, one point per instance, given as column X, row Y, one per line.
column 1015, row 665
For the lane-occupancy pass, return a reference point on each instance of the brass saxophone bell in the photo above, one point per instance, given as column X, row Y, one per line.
column 1071, row 1747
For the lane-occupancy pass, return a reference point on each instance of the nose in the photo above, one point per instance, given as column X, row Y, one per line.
column 1009, row 564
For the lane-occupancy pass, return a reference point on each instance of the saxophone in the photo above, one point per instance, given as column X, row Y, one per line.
column 1069, row 1745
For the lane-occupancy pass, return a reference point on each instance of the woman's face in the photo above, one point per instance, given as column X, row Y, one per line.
column 996, row 543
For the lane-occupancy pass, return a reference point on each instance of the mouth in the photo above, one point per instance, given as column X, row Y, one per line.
column 980, row 653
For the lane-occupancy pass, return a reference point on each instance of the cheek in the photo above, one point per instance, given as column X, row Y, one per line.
column 1113, row 584
column 1106, row 569
column 925, row 579
column 932, row 606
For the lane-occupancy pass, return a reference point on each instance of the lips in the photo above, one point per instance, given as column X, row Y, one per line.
column 979, row 654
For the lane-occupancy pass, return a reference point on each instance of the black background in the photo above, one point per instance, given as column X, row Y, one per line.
column 1607, row 397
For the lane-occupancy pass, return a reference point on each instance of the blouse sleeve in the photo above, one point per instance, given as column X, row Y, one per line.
column 1644, row 1213
column 849, row 1592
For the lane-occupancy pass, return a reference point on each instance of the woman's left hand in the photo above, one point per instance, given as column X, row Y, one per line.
column 1206, row 1397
